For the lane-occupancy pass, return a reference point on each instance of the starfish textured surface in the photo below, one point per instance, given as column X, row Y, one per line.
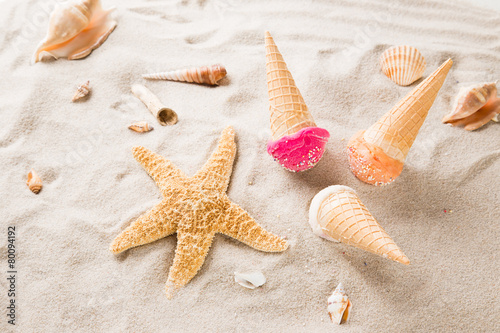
column 196, row 208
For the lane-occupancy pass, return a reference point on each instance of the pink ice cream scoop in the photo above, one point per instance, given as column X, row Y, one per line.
column 299, row 151
column 297, row 143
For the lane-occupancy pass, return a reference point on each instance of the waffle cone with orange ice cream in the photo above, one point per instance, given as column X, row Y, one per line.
column 377, row 155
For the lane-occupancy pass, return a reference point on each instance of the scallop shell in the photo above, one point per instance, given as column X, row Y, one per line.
column 339, row 305
column 402, row 64
column 82, row 91
column 203, row 75
column 474, row 106
column 250, row 280
column 34, row 182
column 75, row 29
column 141, row 126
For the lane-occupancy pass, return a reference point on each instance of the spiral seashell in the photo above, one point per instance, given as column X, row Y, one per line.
column 203, row 75
column 141, row 127
column 34, row 182
column 82, row 91
column 75, row 29
column 475, row 106
column 402, row 64
column 339, row 305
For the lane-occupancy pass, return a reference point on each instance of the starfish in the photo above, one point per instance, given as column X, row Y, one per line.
column 196, row 208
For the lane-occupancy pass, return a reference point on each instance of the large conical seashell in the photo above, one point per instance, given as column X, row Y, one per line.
column 475, row 106
column 34, row 182
column 82, row 91
column 377, row 155
column 203, row 75
column 339, row 305
column 75, row 29
column 336, row 213
column 141, row 127
column 297, row 143
column 402, row 64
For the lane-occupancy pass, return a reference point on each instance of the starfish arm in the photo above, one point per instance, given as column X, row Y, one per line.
column 217, row 170
column 158, row 167
column 192, row 248
column 153, row 225
column 238, row 224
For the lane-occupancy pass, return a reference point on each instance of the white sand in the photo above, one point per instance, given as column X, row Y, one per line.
column 93, row 188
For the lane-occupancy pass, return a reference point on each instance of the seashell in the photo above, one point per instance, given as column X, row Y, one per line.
column 496, row 118
column 164, row 115
column 339, row 305
column 75, row 29
column 402, row 64
column 203, row 75
column 474, row 106
column 250, row 280
column 141, row 126
column 82, row 91
column 34, row 182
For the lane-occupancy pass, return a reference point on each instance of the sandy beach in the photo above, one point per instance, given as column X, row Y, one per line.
column 443, row 211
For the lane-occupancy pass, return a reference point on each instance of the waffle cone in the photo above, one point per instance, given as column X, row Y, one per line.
column 341, row 216
column 396, row 131
column 289, row 113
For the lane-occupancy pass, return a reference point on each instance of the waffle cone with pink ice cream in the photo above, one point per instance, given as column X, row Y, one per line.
column 377, row 155
column 297, row 143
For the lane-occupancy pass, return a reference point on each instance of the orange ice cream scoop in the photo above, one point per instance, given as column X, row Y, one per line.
column 370, row 163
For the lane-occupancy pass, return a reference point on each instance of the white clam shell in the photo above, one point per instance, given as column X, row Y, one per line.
column 339, row 305
column 403, row 64
column 250, row 280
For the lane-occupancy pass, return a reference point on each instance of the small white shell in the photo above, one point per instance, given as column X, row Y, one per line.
column 496, row 118
column 339, row 305
column 250, row 280
column 403, row 64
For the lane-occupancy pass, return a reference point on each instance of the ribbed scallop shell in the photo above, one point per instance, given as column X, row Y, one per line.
column 402, row 64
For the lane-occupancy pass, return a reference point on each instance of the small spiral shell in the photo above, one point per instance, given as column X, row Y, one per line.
column 203, row 75
column 34, row 182
column 403, row 64
column 339, row 305
column 141, row 127
column 82, row 91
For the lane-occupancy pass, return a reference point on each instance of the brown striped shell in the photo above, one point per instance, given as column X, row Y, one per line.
column 402, row 64
column 203, row 75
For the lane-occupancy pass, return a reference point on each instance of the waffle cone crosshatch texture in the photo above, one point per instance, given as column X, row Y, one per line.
column 249, row 166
